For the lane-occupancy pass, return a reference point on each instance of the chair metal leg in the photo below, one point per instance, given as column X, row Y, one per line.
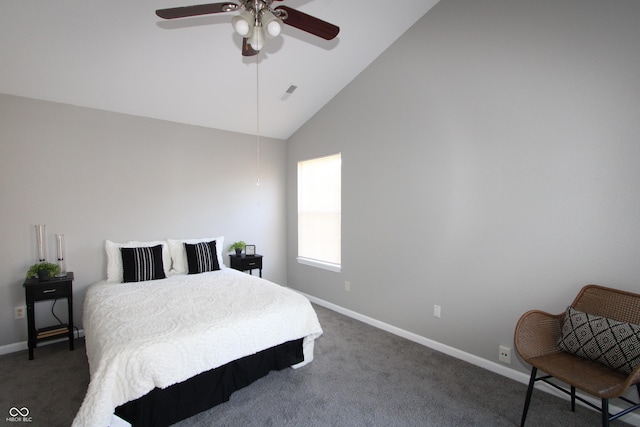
column 573, row 399
column 605, row 412
column 527, row 400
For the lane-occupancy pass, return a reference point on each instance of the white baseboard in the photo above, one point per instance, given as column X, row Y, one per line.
column 23, row 345
column 632, row 418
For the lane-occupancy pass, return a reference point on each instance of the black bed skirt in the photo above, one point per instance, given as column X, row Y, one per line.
column 163, row 407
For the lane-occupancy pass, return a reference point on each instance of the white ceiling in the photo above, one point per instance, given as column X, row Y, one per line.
column 117, row 55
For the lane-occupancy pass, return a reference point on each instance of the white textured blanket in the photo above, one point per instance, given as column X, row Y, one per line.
column 157, row 333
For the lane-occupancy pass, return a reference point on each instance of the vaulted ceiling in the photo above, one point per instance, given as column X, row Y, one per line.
column 117, row 55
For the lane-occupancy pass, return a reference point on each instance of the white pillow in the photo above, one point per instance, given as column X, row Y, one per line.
column 179, row 255
column 114, row 257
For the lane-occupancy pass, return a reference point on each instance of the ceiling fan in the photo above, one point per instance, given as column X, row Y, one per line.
column 257, row 20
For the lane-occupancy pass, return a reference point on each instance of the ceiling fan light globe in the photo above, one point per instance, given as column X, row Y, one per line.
column 256, row 40
column 271, row 23
column 241, row 28
column 243, row 23
column 274, row 28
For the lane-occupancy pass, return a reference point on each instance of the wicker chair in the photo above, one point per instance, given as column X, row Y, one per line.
column 536, row 340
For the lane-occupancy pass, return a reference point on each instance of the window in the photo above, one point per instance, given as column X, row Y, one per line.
column 319, row 212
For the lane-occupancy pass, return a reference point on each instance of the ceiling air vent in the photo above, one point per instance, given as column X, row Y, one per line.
column 288, row 92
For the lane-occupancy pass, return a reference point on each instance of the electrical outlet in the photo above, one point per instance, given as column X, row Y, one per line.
column 347, row 286
column 504, row 354
column 18, row 312
column 437, row 311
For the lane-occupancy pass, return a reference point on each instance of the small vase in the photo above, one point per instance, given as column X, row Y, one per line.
column 61, row 260
column 41, row 239
column 238, row 251
column 43, row 275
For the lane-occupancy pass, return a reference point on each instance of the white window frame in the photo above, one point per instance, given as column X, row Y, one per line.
column 331, row 205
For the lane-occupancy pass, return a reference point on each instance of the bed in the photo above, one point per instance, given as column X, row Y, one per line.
column 175, row 334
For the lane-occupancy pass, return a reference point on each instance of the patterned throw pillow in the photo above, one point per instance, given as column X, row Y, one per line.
column 202, row 257
column 613, row 343
column 140, row 264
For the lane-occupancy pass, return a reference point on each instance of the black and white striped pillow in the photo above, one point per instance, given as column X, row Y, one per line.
column 202, row 257
column 140, row 264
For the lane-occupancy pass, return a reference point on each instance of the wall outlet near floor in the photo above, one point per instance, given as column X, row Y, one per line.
column 19, row 312
column 347, row 286
column 504, row 354
column 437, row 311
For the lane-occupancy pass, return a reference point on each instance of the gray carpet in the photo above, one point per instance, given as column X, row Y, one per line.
column 361, row 376
column 51, row 386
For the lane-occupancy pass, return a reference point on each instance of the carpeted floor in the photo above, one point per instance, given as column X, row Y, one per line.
column 51, row 386
column 361, row 376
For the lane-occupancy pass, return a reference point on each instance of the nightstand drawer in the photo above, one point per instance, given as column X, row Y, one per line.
column 49, row 291
column 257, row 263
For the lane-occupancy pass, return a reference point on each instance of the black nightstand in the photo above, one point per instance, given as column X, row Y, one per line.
column 54, row 288
column 246, row 262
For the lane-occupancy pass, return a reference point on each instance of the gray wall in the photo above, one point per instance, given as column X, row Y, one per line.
column 94, row 175
column 490, row 166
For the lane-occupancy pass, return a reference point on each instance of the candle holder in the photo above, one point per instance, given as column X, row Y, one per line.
column 41, row 241
column 61, row 257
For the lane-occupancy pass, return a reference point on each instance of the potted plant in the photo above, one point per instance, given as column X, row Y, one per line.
column 43, row 270
column 238, row 247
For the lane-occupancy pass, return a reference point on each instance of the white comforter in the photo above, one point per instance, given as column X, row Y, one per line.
column 157, row 333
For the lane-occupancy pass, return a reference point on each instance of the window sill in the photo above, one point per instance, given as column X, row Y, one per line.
column 320, row 264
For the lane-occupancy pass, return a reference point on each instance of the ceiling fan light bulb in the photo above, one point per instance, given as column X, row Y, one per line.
column 243, row 23
column 241, row 26
column 256, row 41
column 271, row 23
column 274, row 28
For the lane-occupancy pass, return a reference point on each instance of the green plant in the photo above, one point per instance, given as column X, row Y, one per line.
column 53, row 269
column 237, row 245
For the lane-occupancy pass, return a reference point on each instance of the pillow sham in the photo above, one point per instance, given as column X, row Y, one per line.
column 610, row 342
column 202, row 257
column 142, row 264
column 179, row 263
column 114, row 257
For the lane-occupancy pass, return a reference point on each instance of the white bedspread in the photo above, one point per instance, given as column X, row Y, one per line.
column 157, row 333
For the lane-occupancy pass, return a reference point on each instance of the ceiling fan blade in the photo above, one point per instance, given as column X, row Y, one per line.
column 308, row 23
column 200, row 9
column 247, row 50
